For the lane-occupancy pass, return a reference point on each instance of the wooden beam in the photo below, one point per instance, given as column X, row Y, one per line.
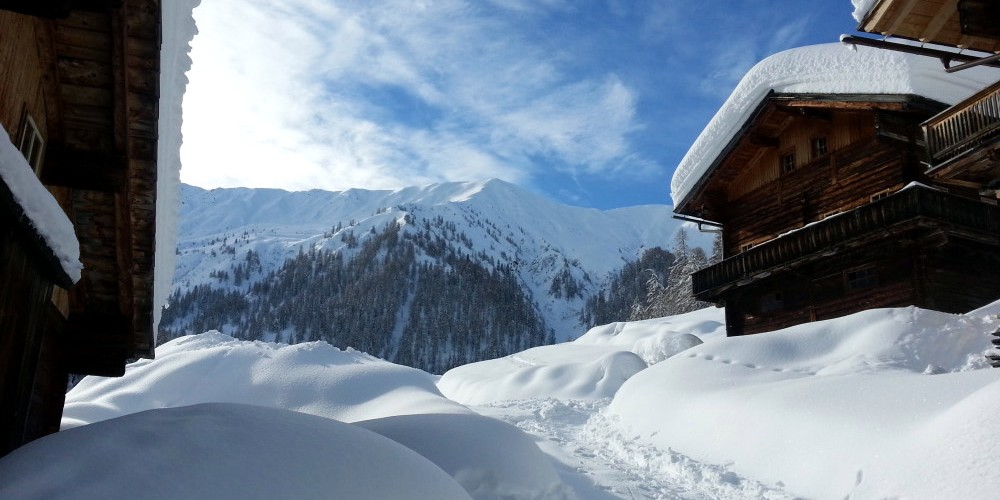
column 763, row 141
column 817, row 113
column 57, row 9
column 948, row 10
column 901, row 15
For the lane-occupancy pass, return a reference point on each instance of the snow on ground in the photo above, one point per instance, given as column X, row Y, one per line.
column 496, row 460
column 221, row 451
column 591, row 367
column 314, row 378
column 831, row 409
column 883, row 403
column 490, row 459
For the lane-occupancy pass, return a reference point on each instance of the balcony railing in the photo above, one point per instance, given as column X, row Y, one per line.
column 964, row 126
column 821, row 238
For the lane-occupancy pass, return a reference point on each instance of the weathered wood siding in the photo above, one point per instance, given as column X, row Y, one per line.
column 24, row 301
column 857, row 166
column 960, row 275
column 842, row 130
column 821, row 290
column 21, row 73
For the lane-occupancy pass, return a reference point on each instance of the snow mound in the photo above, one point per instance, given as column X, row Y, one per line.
column 829, row 409
column 490, row 459
column 657, row 339
column 219, row 451
column 593, row 366
column 40, row 207
column 314, row 378
column 562, row 371
column 828, row 69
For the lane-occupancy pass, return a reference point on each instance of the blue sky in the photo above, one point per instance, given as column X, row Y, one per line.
column 590, row 103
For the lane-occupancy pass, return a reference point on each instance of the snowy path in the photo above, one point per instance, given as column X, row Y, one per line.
column 601, row 464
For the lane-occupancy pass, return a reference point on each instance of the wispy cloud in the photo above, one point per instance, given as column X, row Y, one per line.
column 304, row 93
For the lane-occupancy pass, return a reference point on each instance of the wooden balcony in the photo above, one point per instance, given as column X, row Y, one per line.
column 910, row 208
column 964, row 127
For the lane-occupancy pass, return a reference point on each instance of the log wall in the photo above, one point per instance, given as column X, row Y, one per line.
column 21, row 72
column 838, row 182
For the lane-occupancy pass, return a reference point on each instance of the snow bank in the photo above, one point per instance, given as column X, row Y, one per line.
column 177, row 31
column 490, row 459
column 657, row 339
column 40, row 207
column 221, row 451
column 883, row 403
column 547, row 371
column 592, row 367
column 313, row 378
column 829, row 69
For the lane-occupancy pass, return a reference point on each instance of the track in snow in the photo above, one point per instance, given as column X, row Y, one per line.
column 600, row 463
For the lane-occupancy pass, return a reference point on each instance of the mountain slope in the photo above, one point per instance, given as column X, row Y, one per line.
column 486, row 259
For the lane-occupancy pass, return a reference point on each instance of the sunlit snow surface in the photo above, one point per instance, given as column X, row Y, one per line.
column 884, row 403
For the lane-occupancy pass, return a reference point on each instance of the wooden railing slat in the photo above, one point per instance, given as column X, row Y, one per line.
column 961, row 127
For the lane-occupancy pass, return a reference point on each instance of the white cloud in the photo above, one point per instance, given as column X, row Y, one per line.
column 285, row 93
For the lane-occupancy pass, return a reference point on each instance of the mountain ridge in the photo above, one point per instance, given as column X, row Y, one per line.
column 241, row 242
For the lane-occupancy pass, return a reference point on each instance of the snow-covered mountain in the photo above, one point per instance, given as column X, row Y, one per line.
column 477, row 244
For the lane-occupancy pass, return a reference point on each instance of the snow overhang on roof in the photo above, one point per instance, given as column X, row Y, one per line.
column 821, row 69
column 862, row 8
column 39, row 208
column 178, row 30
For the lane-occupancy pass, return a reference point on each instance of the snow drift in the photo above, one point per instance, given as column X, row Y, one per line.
column 591, row 367
column 221, row 451
column 313, row 378
column 831, row 409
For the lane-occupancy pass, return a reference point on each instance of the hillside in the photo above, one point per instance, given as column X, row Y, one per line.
column 431, row 277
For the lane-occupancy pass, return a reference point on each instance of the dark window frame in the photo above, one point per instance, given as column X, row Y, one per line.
column 819, row 146
column 31, row 144
column 861, row 278
column 787, row 162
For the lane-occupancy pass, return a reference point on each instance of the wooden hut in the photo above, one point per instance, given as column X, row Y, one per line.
column 834, row 202
column 78, row 97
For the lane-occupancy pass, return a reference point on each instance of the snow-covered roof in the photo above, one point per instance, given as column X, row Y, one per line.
column 827, row 69
column 46, row 216
column 862, row 8
column 178, row 30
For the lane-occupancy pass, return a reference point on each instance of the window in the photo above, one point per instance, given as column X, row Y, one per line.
column 817, row 146
column 787, row 162
column 771, row 302
column 746, row 246
column 865, row 277
column 31, row 144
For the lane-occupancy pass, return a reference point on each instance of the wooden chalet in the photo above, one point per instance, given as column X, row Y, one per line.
column 78, row 96
column 830, row 204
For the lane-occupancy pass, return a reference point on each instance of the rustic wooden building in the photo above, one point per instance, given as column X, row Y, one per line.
column 78, row 97
column 827, row 206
